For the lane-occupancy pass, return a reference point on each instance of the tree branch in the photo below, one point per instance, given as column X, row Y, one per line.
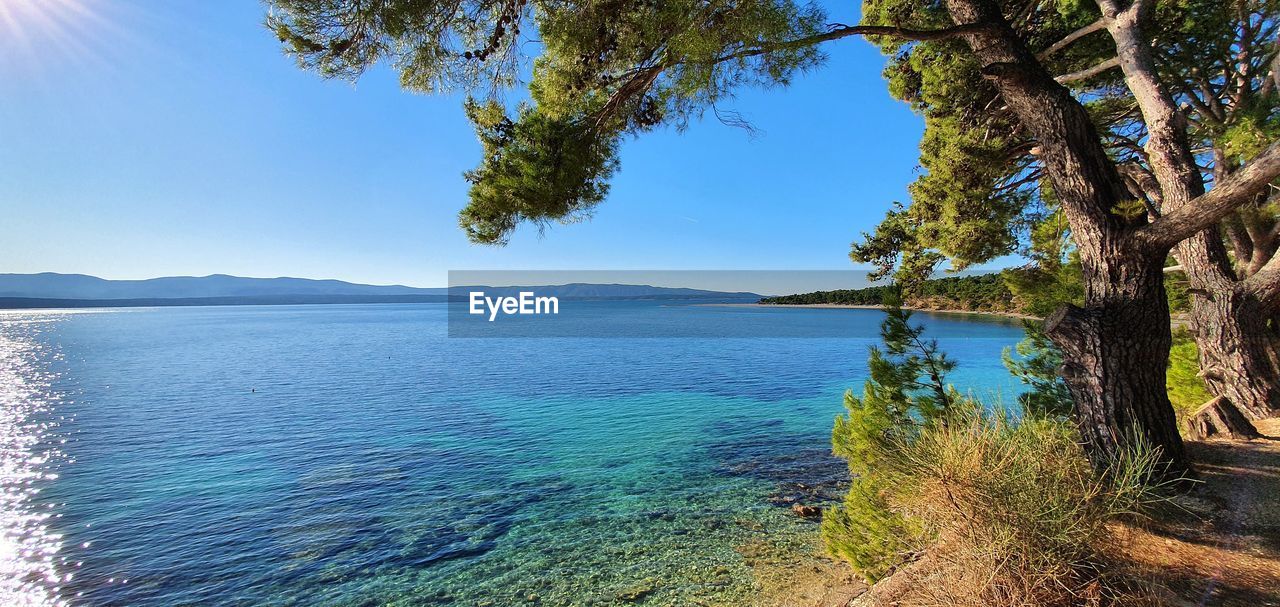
column 1088, row 72
column 1238, row 236
column 1144, row 186
column 638, row 84
column 1168, row 149
column 1206, row 209
column 642, row 79
column 844, row 31
column 1069, row 39
column 1265, row 284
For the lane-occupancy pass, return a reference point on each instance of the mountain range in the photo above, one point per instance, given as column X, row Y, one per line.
column 53, row 290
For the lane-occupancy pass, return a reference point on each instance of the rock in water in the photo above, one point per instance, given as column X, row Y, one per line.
column 806, row 511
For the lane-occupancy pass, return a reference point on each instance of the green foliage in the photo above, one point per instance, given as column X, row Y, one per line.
column 536, row 168
column 1186, row 389
column 895, row 250
column 868, row 534
column 1039, row 290
column 982, row 184
column 1010, row 508
column 605, row 70
column 907, row 388
column 979, row 186
column 956, row 210
column 1014, row 512
column 983, row 292
column 1130, row 210
column 907, row 391
column 590, row 48
column 609, row 69
column 1178, row 290
column 1054, row 276
column 436, row 45
column 1252, row 133
column 1050, row 234
column 1035, row 361
column 959, row 212
column 602, row 70
column 1213, row 37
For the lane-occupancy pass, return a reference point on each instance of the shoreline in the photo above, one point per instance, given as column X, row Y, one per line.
column 1011, row 315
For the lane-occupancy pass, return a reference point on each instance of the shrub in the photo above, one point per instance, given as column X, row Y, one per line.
column 1015, row 513
column 1035, row 361
column 1009, row 508
column 907, row 390
column 867, row 533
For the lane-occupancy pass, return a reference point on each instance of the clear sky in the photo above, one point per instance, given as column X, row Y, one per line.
column 142, row 139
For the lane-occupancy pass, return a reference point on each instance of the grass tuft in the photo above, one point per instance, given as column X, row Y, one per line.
column 1017, row 515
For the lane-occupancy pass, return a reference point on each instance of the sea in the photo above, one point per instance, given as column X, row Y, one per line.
column 360, row 455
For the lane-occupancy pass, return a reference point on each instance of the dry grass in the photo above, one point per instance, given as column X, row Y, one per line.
column 1218, row 546
column 1223, row 548
column 1019, row 516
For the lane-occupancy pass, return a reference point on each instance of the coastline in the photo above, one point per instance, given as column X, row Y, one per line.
column 1179, row 320
column 1013, row 315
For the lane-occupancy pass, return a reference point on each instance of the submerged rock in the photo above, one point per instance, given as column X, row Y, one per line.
column 636, row 593
column 806, row 511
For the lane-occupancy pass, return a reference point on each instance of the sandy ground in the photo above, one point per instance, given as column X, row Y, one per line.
column 813, row 580
column 1225, row 550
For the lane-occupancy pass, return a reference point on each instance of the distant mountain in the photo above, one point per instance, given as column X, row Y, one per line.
column 80, row 286
column 582, row 290
column 52, row 290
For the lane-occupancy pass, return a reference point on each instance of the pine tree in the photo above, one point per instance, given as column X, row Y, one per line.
column 988, row 76
column 906, row 392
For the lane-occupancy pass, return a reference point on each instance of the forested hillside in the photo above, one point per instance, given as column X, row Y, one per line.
column 985, row 292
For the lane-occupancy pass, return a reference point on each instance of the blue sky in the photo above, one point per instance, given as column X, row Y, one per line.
column 173, row 138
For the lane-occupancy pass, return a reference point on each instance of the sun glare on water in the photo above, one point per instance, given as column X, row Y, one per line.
column 30, row 568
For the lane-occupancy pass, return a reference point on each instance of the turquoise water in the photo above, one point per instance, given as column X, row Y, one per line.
column 355, row 455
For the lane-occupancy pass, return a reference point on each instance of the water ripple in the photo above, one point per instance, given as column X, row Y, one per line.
column 31, row 572
column 354, row 455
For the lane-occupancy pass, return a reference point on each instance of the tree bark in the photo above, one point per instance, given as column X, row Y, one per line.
column 1235, row 359
column 1236, row 346
column 1117, row 346
column 1115, row 352
column 1237, row 350
column 1219, row 418
column 1230, row 327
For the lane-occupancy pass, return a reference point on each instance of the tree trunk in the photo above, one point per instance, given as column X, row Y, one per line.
column 1273, row 339
column 1115, row 352
column 1236, row 349
column 1234, row 343
column 1220, row 418
column 1116, row 348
